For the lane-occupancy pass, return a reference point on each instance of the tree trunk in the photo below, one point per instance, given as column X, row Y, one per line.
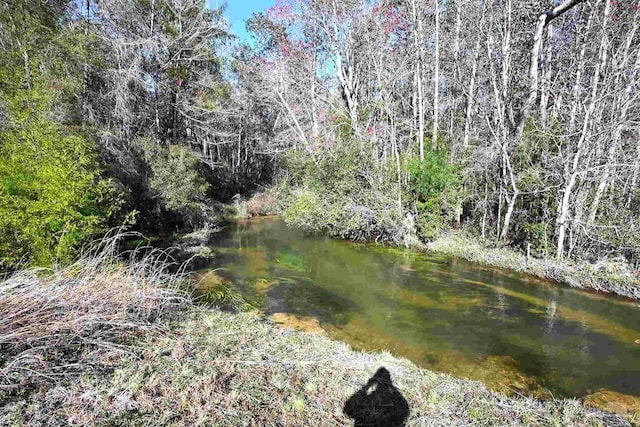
column 546, row 81
column 577, row 82
column 347, row 76
column 634, row 179
column 543, row 21
column 293, row 117
column 418, row 90
column 436, row 80
column 470, row 95
column 457, row 73
column 27, row 74
column 568, row 188
column 511, row 199
column 623, row 104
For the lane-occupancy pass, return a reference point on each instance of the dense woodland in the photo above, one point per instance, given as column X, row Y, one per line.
column 517, row 121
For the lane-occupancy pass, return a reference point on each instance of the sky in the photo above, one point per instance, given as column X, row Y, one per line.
column 238, row 11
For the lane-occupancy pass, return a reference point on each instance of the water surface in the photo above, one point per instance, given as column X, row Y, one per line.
column 511, row 331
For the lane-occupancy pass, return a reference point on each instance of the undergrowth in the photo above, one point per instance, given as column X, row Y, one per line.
column 577, row 275
column 56, row 325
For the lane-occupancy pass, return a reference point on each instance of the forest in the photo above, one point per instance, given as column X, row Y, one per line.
column 428, row 174
column 516, row 121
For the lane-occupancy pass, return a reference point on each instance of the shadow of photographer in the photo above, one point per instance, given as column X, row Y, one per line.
column 379, row 403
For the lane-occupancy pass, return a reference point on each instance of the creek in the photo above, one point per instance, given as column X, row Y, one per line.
column 514, row 332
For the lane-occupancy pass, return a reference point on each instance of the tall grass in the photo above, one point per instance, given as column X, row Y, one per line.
column 61, row 322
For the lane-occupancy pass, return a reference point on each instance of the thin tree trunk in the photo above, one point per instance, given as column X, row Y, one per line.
column 419, row 95
column 577, row 85
column 293, row 117
column 511, row 199
column 457, row 73
column 436, row 80
column 85, row 66
column 471, row 95
column 568, row 188
column 634, row 179
column 546, row 81
column 502, row 136
column 543, row 21
column 314, row 102
column 485, row 207
column 27, row 74
column 506, row 69
column 347, row 76
column 499, row 219
column 623, row 104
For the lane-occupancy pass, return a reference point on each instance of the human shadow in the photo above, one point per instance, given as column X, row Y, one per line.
column 378, row 403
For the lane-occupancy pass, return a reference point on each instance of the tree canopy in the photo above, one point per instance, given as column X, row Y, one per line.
column 517, row 121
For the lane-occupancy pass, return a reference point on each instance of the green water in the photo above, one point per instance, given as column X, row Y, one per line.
column 510, row 331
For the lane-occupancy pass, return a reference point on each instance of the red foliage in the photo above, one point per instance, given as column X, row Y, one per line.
column 283, row 11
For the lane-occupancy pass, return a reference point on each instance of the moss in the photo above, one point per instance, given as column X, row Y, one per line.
column 214, row 290
column 616, row 402
column 303, row 323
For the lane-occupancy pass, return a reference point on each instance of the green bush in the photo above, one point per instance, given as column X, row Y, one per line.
column 436, row 186
column 346, row 192
column 343, row 191
column 306, row 209
column 175, row 177
column 537, row 234
column 52, row 198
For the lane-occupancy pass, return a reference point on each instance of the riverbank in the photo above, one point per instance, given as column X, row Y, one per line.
column 219, row 368
column 107, row 343
column 582, row 276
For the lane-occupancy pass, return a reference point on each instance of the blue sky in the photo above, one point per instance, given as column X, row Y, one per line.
column 238, row 11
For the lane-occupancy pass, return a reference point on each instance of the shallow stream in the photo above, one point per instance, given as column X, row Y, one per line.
column 511, row 331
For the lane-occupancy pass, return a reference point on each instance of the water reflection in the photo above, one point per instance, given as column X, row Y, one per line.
column 512, row 332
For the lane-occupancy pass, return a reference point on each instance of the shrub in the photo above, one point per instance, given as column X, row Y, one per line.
column 262, row 204
column 346, row 192
column 537, row 235
column 436, row 186
column 79, row 318
column 176, row 179
column 343, row 191
column 305, row 209
column 52, row 197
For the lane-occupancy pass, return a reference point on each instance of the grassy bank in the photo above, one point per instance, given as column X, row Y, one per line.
column 219, row 368
column 107, row 343
column 583, row 276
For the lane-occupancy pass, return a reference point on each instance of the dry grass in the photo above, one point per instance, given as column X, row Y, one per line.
column 583, row 276
column 223, row 369
column 59, row 323
column 262, row 204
